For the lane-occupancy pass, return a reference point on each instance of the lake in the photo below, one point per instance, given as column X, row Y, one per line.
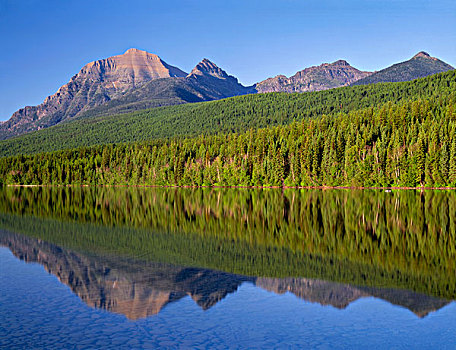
column 227, row 268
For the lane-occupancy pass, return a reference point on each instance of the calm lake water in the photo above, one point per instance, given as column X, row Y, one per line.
column 182, row 268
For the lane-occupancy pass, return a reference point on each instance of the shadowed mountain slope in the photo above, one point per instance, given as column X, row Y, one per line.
column 419, row 66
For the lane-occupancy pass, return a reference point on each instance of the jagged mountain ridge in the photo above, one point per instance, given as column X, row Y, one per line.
column 419, row 66
column 316, row 78
column 139, row 289
column 206, row 82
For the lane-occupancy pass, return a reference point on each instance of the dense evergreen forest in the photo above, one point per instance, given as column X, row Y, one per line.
column 237, row 114
column 403, row 239
column 408, row 143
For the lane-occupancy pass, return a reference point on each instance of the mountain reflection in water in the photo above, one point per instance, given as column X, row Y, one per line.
column 138, row 289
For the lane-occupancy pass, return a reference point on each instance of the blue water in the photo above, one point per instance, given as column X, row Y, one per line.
column 37, row 311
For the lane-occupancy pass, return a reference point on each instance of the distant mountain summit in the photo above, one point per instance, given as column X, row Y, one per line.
column 96, row 83
column 419, row 66
column 214, row 82
column 208, row 68
column 317, row 78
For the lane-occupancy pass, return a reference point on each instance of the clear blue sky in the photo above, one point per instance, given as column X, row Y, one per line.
column 45, row 42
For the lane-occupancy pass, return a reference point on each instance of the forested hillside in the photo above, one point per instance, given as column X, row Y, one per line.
column 236, row 114
column 408, row 143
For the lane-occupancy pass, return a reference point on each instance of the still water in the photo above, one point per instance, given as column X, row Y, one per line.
column 181, row 268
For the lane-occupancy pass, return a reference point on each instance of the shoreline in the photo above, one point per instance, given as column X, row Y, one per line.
column 390, row 188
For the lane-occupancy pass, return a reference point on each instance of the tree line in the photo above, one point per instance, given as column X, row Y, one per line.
column 409, row 143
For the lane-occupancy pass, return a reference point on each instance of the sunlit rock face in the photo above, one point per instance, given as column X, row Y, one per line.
column 96, row 83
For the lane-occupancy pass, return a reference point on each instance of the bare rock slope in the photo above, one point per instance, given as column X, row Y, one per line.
column 323, row 77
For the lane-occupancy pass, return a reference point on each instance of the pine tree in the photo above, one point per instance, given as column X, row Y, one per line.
column 452, row 165
column 444, row 163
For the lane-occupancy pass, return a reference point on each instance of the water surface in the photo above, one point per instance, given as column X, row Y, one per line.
column 97, row 268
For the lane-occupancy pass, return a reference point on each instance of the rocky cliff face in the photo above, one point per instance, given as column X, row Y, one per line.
column 139, row 289
column 323, row 77
column 95, row 84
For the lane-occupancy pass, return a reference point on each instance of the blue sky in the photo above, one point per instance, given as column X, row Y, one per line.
column 45, row 42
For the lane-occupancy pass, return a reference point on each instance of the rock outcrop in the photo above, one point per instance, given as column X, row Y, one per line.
column 323, row 77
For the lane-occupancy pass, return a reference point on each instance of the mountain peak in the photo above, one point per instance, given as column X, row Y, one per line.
column 422, row 54
column 133, row 67
column 419, row 66
column 110, row 77
column 341, row 63
column 207, row 62
column 206, row 67
column 135, row 51
column 338, row 63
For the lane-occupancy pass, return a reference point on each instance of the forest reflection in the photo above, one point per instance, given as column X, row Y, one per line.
column 403, row 239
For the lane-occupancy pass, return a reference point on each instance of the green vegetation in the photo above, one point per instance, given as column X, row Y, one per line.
column 403, row 239
column 402, row 144
column 236, row 114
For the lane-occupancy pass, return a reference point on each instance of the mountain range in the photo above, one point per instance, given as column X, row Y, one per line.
column 139, row 80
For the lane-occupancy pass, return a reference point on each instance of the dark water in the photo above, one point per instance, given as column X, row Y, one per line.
column 174, row 268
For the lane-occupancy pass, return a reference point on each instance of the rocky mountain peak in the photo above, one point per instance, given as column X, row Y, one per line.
column 136, row 64
column 133, row 51
column 136, row 54
column 422, row 54
column 96, row 83
column 341, row 63
column 206, row 67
